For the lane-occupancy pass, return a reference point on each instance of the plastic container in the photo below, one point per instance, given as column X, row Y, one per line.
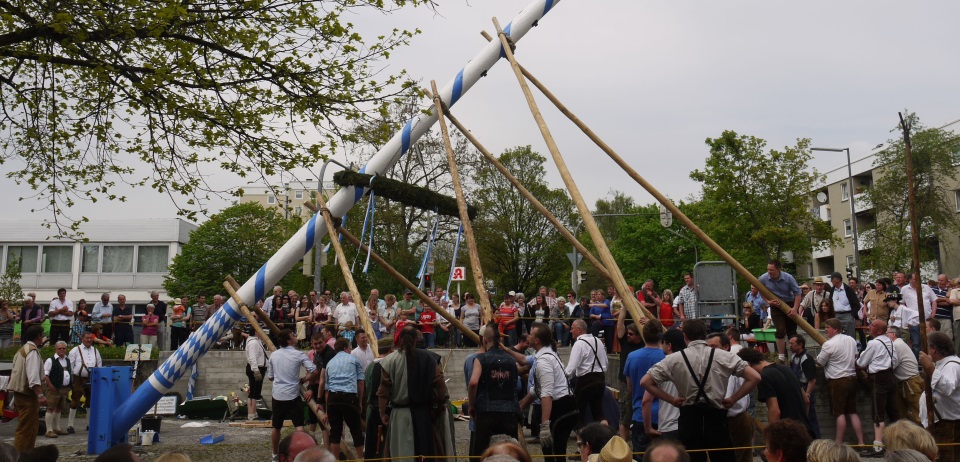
column 146, row 438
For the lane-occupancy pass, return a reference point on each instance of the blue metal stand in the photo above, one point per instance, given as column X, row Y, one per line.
column 109, row 387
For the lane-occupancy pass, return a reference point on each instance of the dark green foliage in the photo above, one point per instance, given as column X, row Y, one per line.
column 404, row 193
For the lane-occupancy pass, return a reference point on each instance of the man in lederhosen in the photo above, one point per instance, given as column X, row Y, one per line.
column 82, row 357
column 878, row 359
column 588, row 363
column 700, row 374
column 57, row 372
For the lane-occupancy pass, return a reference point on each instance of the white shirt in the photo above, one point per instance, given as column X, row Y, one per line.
column 838, row 356
column 256, row 354
column 365, row 356
column 904, row 317
column 946, row 387
column 904, row 363
column 669, row 415
column 910, row 299
column 268, row 304
column 878, row 356
column 345, row 313
column 733, row 384
column 90, row 357
column 48, row 366
column 586, row 350
column 32, row 365
column 570, row 307
column 550, row 375
column 841, row 304
column 56, row 304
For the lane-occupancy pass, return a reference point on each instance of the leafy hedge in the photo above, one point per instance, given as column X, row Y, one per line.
column 107, row 353
column 404, row 193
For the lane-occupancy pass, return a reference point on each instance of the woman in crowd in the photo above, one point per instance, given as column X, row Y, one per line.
column 540, row 310
column 666, row 308
column 470, row 317
column 824, row 311
column 523, row 326
column 7, row 320
column 876, row 307
column 321, row 314
column 150, row 326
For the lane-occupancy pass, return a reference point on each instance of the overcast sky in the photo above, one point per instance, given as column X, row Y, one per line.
column 656, row 78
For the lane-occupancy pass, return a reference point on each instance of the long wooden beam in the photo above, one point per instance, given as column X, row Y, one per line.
column 740, row 269
column 411, row 286
column 347, row 274
column 636, row 310
column 476, row 269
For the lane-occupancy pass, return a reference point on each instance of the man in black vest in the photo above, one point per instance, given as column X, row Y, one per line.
column 493, row 393
column 57, row 370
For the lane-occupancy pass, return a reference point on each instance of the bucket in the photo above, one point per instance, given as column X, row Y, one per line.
column 146, row 438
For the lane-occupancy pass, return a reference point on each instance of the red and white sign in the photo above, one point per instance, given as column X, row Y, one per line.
column 459, row 273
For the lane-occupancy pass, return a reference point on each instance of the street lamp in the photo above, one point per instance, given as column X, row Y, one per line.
column 853, row 210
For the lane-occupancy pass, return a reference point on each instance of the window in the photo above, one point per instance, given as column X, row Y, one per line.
column 844, row 191
column 271, row 199
column 27, row 255
column 57, row 259
column 850, row 261
column 90, row 262
column 118, row 259
column 847, row 228
column 152, row 258
column 956, row 197
column 298, row 195
column 297, row 211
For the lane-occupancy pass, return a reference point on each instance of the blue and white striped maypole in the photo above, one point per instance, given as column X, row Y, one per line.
column 280, row 263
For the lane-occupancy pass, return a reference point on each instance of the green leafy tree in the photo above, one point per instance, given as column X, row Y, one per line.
column 755, row 200
column 236, row 242
column 91, row 90
column 519, row 248
column 935, row 154
column 10, row 289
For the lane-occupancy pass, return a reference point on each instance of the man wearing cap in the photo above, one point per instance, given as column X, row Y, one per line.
column 845, row 303
column 813, row 298
column 785, row 288
column 407, row 306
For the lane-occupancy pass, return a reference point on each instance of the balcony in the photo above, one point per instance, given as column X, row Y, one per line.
column 861, row 203
column 822, row 250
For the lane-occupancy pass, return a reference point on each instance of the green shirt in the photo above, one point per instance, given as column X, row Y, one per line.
column 405, row 305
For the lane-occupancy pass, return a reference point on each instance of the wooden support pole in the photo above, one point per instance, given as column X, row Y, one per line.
column 347, row 275
column 231, row 286
column 529, row 197
column 740, row 269
column 914, row 280
column 256, row 309
column 630, row 302
column 232, row 291
column 476, row 269
column 413, row 287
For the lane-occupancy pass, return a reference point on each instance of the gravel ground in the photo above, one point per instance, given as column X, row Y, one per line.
column 239, row 445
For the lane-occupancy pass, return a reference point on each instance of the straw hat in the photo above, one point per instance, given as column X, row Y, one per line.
column 616, row 450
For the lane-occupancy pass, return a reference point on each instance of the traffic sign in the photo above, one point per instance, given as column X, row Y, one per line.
column 666, row 218
column 459, row 273
column 578, row 255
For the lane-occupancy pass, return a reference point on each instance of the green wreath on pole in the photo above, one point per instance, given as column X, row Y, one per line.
column 404, row 193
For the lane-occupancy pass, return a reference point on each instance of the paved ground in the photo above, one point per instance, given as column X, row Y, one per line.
column 239, row 445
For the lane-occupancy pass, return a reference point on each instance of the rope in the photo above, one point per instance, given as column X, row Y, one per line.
column 739, row 448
